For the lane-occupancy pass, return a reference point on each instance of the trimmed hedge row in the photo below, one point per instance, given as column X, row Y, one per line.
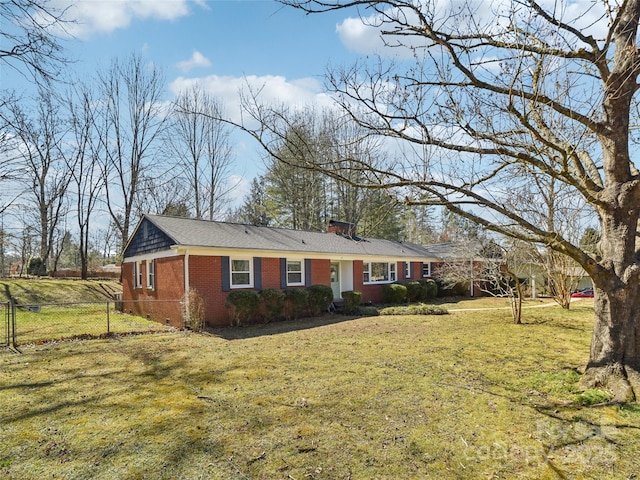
column 410, row 291
column 249, row 306
column 419, row 309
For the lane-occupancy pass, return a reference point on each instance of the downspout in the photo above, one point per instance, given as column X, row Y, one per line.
column 186, row 288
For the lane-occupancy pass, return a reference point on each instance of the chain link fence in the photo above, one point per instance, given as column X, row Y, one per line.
column 5, row 318
column 24, row 324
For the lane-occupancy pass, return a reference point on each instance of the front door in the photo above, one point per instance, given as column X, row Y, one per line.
column 335, row 279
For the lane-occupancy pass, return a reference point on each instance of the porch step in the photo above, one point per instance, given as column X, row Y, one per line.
column 336, row 306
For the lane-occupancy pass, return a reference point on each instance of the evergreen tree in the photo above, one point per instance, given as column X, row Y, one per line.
column 254, row 209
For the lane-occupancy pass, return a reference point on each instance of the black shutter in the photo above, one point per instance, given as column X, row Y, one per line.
column 283, row 273
column 307, row 272
column 257, row 273
column 412, row 269
column 226, row 274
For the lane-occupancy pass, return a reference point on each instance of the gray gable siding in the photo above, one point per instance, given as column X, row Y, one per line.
column 148, row 238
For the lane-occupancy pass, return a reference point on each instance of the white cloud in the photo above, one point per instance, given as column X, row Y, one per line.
column 359, row 37
column 104, row 16
column 273, row 90
column 197, row 60
column 364, row 34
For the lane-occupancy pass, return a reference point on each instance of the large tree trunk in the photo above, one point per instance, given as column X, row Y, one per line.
column 614, row 360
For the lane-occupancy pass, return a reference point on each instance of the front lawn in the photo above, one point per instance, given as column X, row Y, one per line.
column 463, row 396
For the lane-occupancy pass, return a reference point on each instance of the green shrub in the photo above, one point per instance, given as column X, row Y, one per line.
column 368, row 311
column 319, row 299
column 424, row 291
column 36, row 267
column 431, row 288
column 394, row 293
column 449, row 287
column 420, row 309
column 295, row 302
column 243, row 306
column 413, row 290
column 271, row 304
column 352, row 300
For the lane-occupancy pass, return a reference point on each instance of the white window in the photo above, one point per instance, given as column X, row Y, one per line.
column 241, row 273
column 379, row 272
column 426, row 269
column 295, row 272
column 151, row 274
column 407, row 269
column 137, row 274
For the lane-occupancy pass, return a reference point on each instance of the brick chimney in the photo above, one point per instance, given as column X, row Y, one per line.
column 345, row 229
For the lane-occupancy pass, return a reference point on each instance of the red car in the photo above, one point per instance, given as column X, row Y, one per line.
column 584, row 293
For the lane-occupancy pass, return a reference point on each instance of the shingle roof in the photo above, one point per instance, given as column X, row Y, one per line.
column 456, row 250
column 204, row 233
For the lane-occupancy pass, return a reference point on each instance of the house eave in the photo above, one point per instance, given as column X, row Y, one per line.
column 248, row 252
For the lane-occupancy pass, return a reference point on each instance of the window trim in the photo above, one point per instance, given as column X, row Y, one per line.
column 137, row 274
column 249, row 260
column 392, row 272
column 407, row 269
column 151, row 274
column 301, row 283
column 426, row 265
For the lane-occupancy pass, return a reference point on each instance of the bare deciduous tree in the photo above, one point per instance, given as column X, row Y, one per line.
column 553, row 206
column 133, row 118
column 200, row 143
column 28, row 38
column 490, row 87
column 84, row 162
column 486, row 267
column 46, row 171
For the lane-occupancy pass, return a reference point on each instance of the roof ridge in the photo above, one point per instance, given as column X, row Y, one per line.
column 224, row 222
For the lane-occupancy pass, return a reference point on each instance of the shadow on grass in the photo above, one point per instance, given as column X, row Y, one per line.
column 277, row 328
column 566, row 429
column 120, row 427
column 565, row 324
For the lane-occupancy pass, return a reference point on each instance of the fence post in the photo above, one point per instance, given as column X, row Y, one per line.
column 108, row 318
column 7, row 321
column 13, row 324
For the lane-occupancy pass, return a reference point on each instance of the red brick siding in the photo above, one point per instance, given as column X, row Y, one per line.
column 205, row 275
column 415, row 268
column 321, row 272
column 271, row 273
column 169, row 287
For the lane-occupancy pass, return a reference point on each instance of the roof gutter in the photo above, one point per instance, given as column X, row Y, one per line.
column 186, row 271
column 187, row 307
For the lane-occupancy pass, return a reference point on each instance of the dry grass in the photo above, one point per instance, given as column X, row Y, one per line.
column 67, row 308
column 462, row 396
column 46, row 290
column 54, row 322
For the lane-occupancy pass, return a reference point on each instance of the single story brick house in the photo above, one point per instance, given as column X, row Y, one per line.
column 166, row 256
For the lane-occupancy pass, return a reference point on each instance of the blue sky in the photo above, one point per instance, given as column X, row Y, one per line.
column 234, row 37
column 222, row 44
